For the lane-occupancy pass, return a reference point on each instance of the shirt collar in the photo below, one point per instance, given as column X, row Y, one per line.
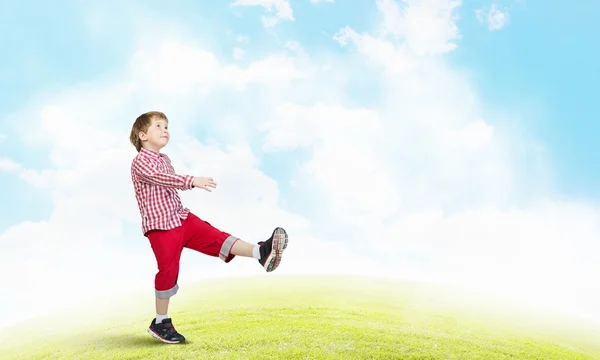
column 150, row 153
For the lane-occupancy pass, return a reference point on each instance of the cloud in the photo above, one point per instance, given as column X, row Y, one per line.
column 407, row 34
column 185, row 68
column 281, row 7
column 451, row 194
column 513, row 253
column 427, row 27
column 494, row 18
column 441, row 199
column 321, row 1
column 428, row 138
column 294, row 46
column 240, row 38
column 343, row 162
column 394, row 58
column 9, row 165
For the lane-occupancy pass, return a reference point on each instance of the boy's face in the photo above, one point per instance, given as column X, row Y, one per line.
column 157, row 135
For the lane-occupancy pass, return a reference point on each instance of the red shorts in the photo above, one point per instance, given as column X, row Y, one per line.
column 195, row 234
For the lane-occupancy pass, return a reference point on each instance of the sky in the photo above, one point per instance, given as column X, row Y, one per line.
column 442, row 141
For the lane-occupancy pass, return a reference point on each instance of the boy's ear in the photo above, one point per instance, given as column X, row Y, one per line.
column 142, row 136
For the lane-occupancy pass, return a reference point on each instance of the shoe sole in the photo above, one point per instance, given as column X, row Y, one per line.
column 280, row 242
column 155, row 335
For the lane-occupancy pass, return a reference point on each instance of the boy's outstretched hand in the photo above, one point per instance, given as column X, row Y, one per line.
column 204, row 183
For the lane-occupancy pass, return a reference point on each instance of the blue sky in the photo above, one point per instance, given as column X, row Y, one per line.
column 452, row 141
column 543, row 63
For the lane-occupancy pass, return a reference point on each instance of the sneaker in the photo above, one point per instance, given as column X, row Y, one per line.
column 272, row 249
column 165, row 332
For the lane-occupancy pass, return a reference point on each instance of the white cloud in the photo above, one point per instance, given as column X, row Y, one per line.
column 443, row 205
column 184, row 68
column 427, row 27
column 321, row 1
column 395, row 58
column 342, row 137
column 9, row 165
column 275, row 71
column 540, row 253
column 472, row 136
column 281, row 7
column 237, row 37
column 294, row 46
column 446, row 192
column 418, row 29
column 494, row 18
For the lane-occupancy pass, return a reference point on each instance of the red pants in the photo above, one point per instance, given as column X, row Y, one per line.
column 195, row 234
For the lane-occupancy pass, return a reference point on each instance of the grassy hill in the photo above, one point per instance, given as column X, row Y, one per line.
column 310, row 317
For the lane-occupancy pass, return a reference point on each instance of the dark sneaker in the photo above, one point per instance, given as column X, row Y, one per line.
column 272, row 249
column 165, row 332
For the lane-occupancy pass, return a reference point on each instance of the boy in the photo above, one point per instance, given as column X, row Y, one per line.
column 170, row 227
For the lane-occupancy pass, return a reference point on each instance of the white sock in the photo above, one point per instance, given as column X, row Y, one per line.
column 256, row 252
column 159, row 318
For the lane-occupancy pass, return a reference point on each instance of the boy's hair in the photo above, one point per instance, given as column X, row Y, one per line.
column 141, row 124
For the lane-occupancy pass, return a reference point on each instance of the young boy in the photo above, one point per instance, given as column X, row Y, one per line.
column 170, row 227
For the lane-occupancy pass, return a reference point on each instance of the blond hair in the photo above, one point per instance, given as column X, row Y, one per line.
column 142, row 123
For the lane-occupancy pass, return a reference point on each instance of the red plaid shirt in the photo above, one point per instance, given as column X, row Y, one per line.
column 156, row 184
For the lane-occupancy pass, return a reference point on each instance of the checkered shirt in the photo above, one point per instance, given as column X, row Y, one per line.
column 156, row 183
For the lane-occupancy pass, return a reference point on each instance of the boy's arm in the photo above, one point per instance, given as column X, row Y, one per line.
column 148, row 172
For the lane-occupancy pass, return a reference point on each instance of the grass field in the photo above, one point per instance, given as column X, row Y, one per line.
column 332, row 317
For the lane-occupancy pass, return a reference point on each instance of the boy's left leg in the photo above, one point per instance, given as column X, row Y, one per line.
column 203, row 237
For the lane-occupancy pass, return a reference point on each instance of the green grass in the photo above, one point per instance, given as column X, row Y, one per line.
column 286, row 317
